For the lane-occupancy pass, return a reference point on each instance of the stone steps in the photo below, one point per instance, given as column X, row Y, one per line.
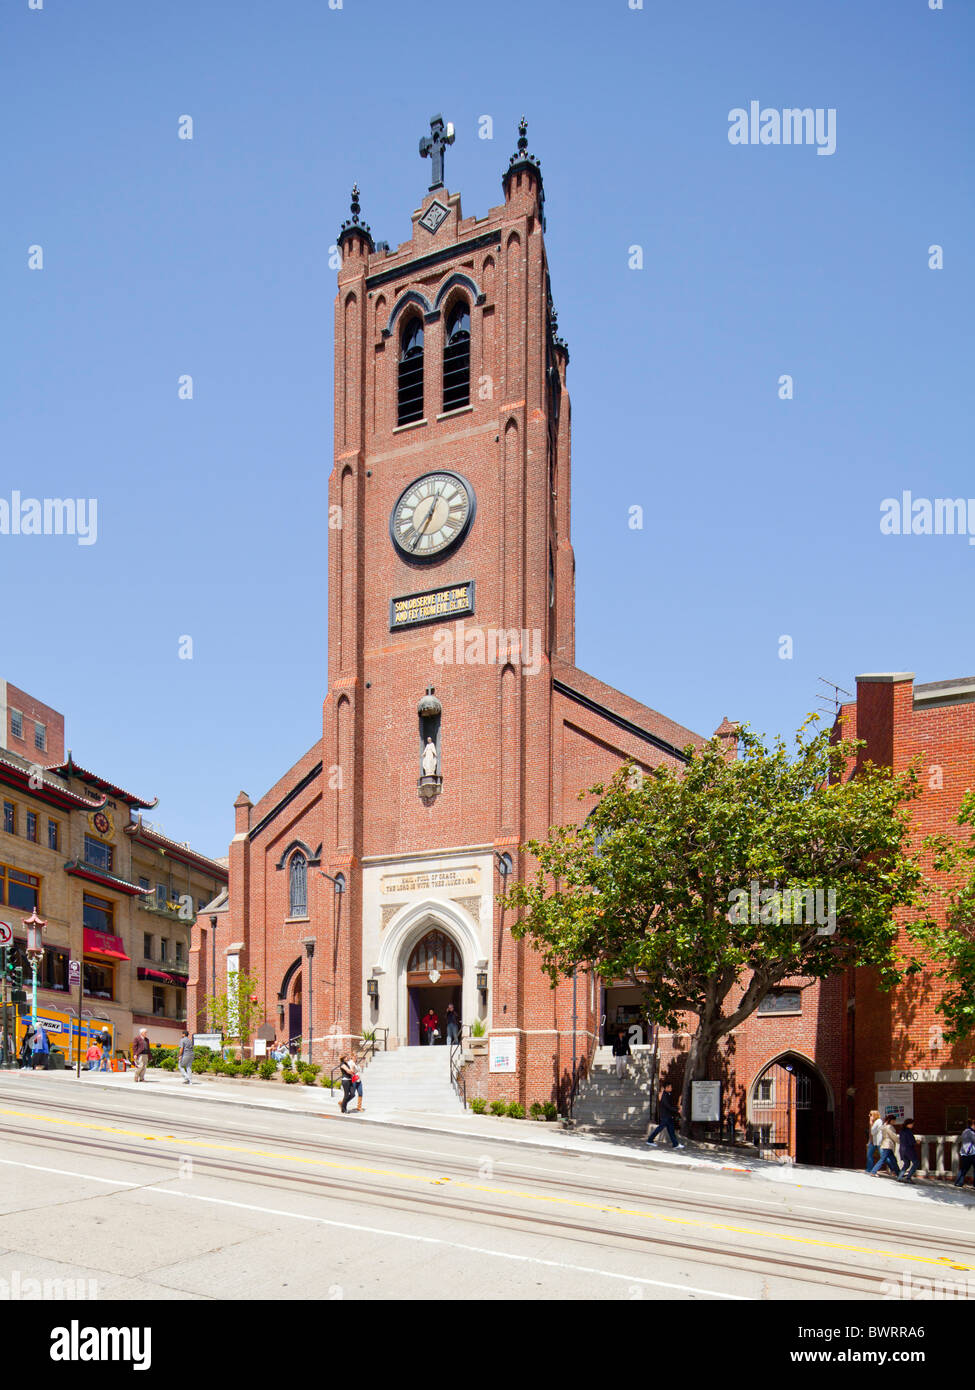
column 604, row 1103
column 411, row 1078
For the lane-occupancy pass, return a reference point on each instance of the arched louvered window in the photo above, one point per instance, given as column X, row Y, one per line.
column 298, row 887
column 435, row 952
column 410, row 398
column 457, row 359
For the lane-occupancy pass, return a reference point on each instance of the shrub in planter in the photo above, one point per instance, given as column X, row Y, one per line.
column 286, row 1063
column 499, row 1107
column 328, row 1083
column 266, row 1071
column 168, row 1064
column 478, row 1028
column 231, row 1069
column 290, row 1078
column 478, row 1104
column 551, row 1110
column 313, row 1067
column 536, row 1110
column 516, row 1111
column 201, row 1064
column 249, row 1067
column 308, row 1077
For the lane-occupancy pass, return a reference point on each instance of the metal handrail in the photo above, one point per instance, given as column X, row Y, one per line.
column 457, row 1078
column 588, row 1060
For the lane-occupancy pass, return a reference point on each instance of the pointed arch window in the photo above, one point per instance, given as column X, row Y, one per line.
column 436, row 952
column 457, row 359
column 298, row 886
column 410, row 395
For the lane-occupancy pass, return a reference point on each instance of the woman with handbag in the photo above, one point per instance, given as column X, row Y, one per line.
column 348, row 1071
column 875, row 1129
column 430, row 1022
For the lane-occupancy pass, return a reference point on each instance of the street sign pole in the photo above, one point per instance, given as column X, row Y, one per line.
column 6, row 959
column 78, row 967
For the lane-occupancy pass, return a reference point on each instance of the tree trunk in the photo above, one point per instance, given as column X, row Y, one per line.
column 696, row 1069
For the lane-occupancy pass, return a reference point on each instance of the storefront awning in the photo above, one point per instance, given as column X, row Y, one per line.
column 101, row 943
column 161, row 977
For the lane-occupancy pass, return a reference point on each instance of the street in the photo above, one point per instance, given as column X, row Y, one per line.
column 137, row 1193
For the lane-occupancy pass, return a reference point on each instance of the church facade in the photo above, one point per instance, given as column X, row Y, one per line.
column 363, row 886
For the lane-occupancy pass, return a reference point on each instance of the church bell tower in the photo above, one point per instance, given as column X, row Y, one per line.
column 450, row 575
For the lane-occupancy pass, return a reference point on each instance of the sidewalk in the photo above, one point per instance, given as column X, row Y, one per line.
column 316, row 1101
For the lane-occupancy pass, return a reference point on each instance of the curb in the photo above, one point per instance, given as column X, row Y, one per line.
column 632, row 1156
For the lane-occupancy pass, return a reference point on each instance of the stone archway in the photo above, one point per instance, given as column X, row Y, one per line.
column 403, row 935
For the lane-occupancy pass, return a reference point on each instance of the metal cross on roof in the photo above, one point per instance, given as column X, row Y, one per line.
column 433, row 146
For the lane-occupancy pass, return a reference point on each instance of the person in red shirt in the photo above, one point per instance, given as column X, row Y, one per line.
column 430, row 1026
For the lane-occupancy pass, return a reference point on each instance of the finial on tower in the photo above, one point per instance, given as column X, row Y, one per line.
column 523, row 162
column 433, row 147
column 355, row 227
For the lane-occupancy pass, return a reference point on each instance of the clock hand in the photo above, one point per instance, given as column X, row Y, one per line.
column 426, row 523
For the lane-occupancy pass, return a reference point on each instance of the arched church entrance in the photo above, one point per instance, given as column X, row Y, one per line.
column 791, row 1112
column 289, row 1002
column 434, row 979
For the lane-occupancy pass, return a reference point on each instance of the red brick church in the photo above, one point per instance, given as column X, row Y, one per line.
column 363, row 885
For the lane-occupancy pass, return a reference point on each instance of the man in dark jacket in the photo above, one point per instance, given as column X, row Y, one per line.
column 621, row 1050
column 908, row 1152
column 668, row 1114
column 966, row 1153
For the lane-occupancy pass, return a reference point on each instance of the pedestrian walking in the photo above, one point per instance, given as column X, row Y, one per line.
column 40, row 1048
column 910, row 1156
column 430, row 1022
column 875, row 1127
column 452, row 1023
column 966, row 1154
column 347, row 1073
column 94, row 1055
column 26, row 1053
column 105, row 1042
column 140, row 1054
column 186, row 1056
column 621, row 1050
column 668, row 1114
column 355, row 1087
column 888, row 1143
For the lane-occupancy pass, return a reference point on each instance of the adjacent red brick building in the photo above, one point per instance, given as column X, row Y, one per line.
column 844, row 1038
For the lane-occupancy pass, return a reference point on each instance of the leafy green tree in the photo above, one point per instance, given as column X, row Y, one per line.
column 234, row 1014
column 708, row 885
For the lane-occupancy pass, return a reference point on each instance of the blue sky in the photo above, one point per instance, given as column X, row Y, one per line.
column 165, row 256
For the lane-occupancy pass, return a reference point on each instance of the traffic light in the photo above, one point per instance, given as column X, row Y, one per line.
column 18, row 995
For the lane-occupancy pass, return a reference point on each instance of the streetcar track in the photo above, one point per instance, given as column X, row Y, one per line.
column 712, row 1206
column 378, row 1195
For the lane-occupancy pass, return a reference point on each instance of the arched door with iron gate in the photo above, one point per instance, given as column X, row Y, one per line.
column 790, row 1112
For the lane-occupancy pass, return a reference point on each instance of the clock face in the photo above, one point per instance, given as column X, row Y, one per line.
column 432, row 516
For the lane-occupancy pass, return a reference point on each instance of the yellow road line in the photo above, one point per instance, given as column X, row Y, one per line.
column 941, row 1261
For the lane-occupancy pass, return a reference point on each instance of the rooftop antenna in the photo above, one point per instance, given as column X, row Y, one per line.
column 832, row 702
